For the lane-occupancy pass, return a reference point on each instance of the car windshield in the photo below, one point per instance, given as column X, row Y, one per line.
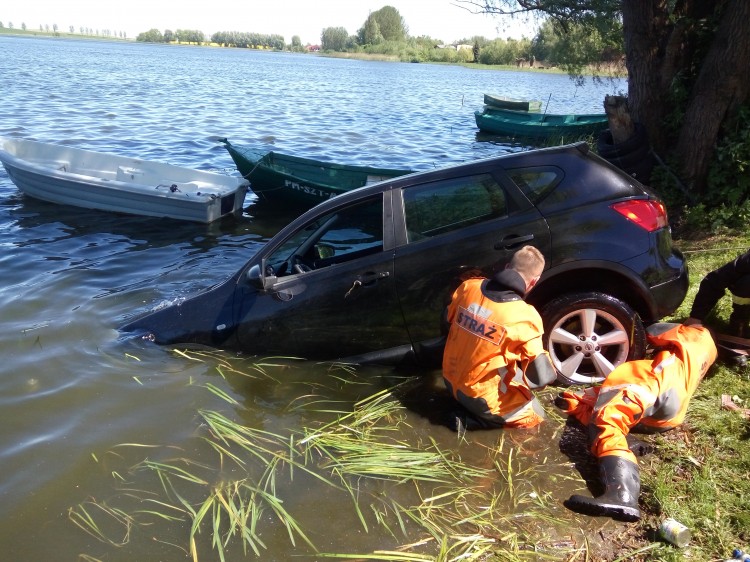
column 336, row 237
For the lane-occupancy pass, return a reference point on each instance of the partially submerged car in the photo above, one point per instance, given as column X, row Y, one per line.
column 365, row 276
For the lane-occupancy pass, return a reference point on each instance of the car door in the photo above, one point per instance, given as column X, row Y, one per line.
column 453, row 229
column 333, row 294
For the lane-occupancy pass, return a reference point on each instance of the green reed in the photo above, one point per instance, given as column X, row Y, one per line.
column 460, row 513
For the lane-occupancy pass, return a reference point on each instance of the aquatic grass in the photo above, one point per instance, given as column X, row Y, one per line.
column 91, row 516
column 221, row 394
column 224, row 367
column 231, row 510
column 463, row 512
column 355, row 445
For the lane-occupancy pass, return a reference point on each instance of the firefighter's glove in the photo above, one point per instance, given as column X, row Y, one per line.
column 578, row 404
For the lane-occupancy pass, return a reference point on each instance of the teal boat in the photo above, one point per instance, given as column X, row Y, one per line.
column 301, row 181
column 502, row 102
column 539, row 125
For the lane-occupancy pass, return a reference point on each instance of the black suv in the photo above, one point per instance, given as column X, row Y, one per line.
column 365, row 276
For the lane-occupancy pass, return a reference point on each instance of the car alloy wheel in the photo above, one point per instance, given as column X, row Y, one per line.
column 589, row 334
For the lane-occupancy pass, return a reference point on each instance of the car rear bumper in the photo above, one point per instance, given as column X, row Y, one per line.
column 668, row 296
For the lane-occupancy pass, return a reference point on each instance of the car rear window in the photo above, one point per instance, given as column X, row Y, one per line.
column 440, row 207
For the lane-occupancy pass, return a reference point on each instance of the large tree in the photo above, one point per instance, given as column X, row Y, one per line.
column 387, row 23
column 688, row 59
column 334, row 38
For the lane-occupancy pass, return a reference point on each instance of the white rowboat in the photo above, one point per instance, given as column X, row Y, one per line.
column 107, row 182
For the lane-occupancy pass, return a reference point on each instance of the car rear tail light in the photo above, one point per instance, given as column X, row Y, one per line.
column 646, row 213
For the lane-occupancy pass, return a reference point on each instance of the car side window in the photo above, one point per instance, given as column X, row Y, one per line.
column 440, row 207
column 536, row 183
column 336, row 237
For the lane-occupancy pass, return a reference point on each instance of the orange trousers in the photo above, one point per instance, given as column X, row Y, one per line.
column 648, row 395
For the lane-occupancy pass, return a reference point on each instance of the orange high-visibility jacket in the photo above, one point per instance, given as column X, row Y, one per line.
column 488, row 341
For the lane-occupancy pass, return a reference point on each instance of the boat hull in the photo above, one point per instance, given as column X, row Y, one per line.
column 299, row 181
column 502, row 102
column 107, row 182
column 522, row 124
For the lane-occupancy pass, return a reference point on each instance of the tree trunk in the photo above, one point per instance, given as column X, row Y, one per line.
column 646, row 36
column 620, row 124
column 722, row 86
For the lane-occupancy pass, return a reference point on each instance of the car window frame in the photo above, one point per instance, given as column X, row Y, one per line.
column 399, row 206
column 302, row 222
column 526, row 189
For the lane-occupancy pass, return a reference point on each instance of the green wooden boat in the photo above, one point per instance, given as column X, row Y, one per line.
column 301, row 181
column 502, row 102
column 539, row 125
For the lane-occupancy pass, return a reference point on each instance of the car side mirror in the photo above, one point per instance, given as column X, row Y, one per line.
column 257, row 279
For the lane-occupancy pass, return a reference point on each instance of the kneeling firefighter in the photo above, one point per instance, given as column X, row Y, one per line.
column 648, row 396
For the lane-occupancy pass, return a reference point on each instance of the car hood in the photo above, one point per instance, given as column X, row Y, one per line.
column 207, row 319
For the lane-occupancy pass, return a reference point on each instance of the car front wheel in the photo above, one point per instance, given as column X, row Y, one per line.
column 589, row 334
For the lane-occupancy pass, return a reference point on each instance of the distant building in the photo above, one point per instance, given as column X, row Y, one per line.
column 456, row 46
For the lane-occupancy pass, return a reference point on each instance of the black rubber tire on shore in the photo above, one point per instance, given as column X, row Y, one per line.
column 632, row 156
column 607, row 149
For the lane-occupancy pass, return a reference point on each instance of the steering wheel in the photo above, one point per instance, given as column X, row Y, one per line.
column 299, row 266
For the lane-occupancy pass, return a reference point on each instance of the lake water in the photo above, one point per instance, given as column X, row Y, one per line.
column 81, row 407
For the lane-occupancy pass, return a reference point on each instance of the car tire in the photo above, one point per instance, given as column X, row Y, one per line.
column 588, row 334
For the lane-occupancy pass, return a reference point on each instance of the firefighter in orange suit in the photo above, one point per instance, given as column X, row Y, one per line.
column 493, row 355
column 648, row 395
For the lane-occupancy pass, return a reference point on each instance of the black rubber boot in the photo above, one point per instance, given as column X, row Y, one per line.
column 622, row 483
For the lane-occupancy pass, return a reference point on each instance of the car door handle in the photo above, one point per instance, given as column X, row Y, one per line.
column 367, row 280
column 370, row 277
column 513, row 241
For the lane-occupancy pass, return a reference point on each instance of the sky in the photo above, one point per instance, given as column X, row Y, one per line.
column 440, row 19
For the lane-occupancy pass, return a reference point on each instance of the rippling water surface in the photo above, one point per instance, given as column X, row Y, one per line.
column 71, row 392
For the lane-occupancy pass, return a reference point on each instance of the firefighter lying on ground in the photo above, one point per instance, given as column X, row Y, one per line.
column 735, row 276
column 649, row 396
column 493, row 355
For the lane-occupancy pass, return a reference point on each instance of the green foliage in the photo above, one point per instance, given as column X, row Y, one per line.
column 370, row 32
column 181, row 36
column 574, row 47
column 334, row 39
column 190, row 36
column 151, row 36
column 502, row 52
column 390, row 25
column 726, row 204
column 296, row 44
column 729, row 174
column 722, row 219
column 248, row 40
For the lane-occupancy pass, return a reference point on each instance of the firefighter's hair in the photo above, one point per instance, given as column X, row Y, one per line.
column 528, row 261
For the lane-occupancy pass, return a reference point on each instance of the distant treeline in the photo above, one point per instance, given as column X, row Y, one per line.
column 545, row 49
column 239, row 39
